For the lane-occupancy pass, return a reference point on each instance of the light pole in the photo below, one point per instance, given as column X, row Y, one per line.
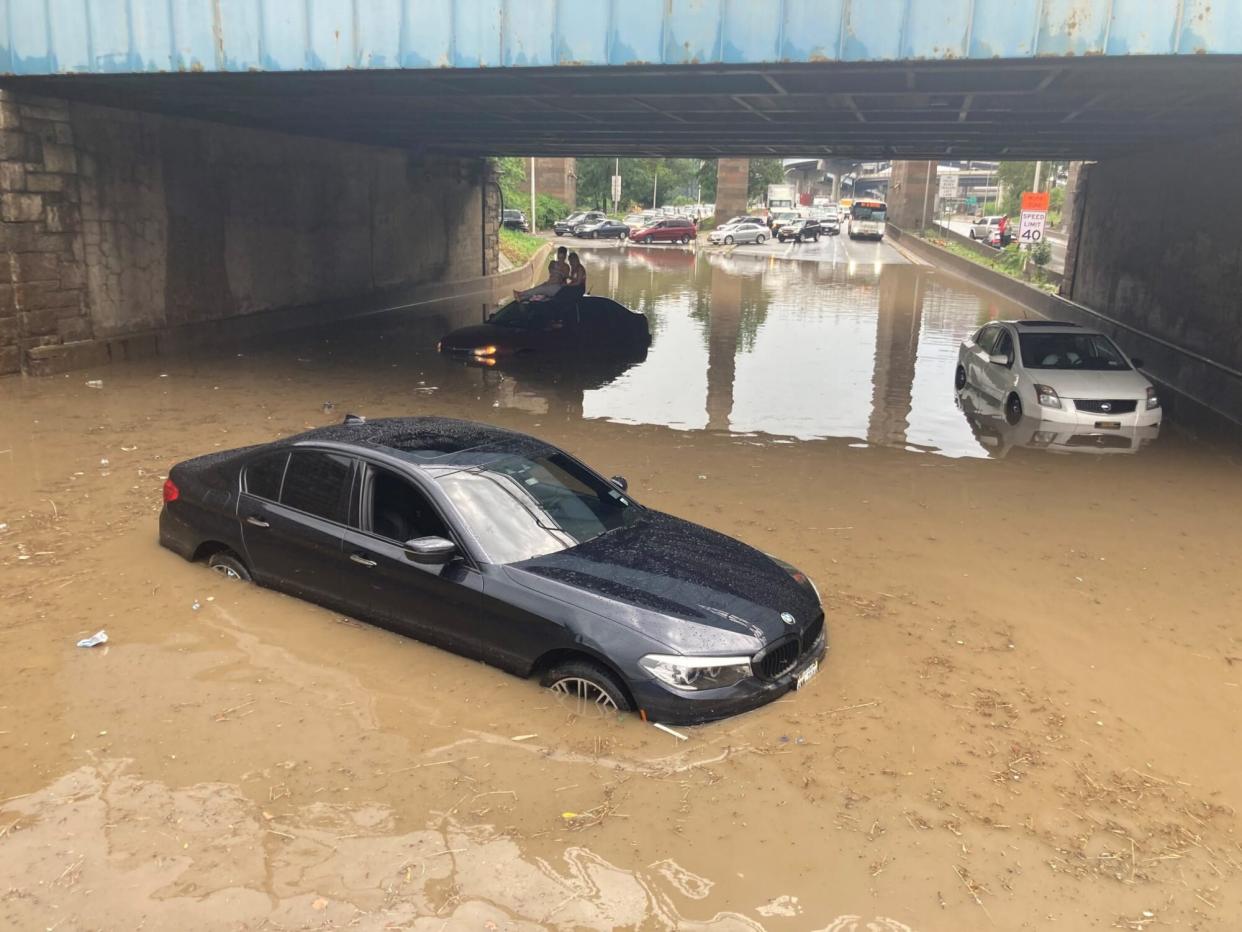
column 534, row 217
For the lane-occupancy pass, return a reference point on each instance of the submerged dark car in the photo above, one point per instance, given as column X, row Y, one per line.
column 498, row 546
column 570, row 321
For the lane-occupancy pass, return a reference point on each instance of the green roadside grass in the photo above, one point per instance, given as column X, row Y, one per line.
column 1007, row 261
column 517, row 246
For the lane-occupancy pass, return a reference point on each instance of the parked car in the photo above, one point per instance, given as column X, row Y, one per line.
column 828, row 219
column 636, row 221
column 800, row 231
column 498, row 546
column 988, row 229
column 569, row 321
column 514, row 220
column 566, row 226
column 758, row 221
column 669, row 230
column 744, row 232
column 603, row 229
column 1057, row 371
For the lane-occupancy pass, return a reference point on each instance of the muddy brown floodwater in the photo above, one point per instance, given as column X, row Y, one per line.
column 1029, row 718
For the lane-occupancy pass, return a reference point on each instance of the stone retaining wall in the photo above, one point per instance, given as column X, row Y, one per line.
column 116, row 223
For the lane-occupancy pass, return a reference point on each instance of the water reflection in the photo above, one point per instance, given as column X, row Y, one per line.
column 760, row 345
column 1000, row 438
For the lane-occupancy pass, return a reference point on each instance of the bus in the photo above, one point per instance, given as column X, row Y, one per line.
column 867, row 218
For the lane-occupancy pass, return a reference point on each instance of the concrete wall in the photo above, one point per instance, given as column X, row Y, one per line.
column 911, row 194
column 115, row 222
column 732, row 185
column 1165, row 266
column 555, row 177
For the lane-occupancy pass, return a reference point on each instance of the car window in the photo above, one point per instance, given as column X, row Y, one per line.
column 520, row 508
column 1087, row 351
column 397, row 510
column 318, row 483
column 986, row 338
column 264, row 474
column 1004, row 344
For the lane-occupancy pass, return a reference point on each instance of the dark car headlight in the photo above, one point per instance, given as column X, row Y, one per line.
column 696, row 672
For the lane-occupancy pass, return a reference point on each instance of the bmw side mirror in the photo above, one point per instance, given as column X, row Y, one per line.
column 430, row 551
column 620, row 483
column 999, row 359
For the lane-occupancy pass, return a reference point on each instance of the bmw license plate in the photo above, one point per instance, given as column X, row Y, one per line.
column 806, row 675
column 1108, row 425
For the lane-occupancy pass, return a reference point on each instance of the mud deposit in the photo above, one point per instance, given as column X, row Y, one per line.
column 1029, row 718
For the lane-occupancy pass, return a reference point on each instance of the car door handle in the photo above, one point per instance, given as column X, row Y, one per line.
column 257, row 522
column 361, row 560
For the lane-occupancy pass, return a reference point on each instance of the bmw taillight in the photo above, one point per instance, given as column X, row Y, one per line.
column 171, row 492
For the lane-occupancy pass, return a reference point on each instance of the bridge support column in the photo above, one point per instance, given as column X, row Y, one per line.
column 912, row 194
column 732, row 184
column 555, row 177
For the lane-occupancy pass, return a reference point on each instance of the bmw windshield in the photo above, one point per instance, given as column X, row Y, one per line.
column 525, row 315
column 1091, row 352
column 518, row 507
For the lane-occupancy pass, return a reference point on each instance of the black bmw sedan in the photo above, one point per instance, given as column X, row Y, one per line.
column 499, row 546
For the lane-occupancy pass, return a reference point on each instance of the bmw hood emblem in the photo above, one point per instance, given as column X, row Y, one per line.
column 788, row 618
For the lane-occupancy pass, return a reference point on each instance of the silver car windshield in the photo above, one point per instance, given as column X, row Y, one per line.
column 1092, row 352
column 518, row 508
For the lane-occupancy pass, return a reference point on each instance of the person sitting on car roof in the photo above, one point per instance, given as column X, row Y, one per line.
column 562, row 265
column 546, row 289
column 577, row 274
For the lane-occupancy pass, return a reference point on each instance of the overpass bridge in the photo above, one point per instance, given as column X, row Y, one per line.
column 704, row 78
column 169, row 160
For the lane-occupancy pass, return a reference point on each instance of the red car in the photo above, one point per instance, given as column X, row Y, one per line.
column 669, row 230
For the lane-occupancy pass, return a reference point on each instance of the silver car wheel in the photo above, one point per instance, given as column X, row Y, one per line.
column 584, row 694
column 226, row 571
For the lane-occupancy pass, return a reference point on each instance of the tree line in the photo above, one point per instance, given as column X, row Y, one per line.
column 644, row 182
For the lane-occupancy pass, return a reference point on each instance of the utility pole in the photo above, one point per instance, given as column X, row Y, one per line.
column 534, row 217
column 655, row 185
column 616, row 171
column 1039, row 170
column 926, row 194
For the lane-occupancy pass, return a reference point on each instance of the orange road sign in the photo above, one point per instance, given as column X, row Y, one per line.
column 1035, row 201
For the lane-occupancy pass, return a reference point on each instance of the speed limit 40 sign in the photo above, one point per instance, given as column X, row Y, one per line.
column 1034, row 213
column 1031, row 229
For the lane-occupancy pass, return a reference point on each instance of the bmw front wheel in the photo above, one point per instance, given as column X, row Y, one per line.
column 959, row 378
column 585, row 687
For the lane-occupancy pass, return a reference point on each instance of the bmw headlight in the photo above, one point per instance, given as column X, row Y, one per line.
column 696, row 672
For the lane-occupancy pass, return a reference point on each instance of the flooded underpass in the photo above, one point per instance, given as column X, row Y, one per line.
column 1029, row 717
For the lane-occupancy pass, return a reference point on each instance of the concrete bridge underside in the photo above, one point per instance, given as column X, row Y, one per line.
column 1091, row 108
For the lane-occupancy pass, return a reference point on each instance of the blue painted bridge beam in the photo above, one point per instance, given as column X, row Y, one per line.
column 44, row 37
